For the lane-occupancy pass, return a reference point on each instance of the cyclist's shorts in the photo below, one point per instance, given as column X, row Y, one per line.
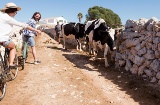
column 5, row 43
column 30, row 41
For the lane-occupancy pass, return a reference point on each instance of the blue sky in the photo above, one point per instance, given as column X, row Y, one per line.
column 126, row 9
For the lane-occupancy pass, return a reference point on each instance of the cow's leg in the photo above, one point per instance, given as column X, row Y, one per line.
column 89, row 38
column 95, row 51
column 79, row 45
column 88, row 44
column 84, row 44
column 113, row 54
column 64, row 42
column 90, row 48
column 105, row 55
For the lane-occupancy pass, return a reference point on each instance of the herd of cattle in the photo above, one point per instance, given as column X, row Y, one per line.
column 96, row 34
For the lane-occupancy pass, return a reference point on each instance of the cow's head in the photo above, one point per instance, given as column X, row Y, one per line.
column 91, row 26
column 99, row 22
column 103, row 26
column 96, row 24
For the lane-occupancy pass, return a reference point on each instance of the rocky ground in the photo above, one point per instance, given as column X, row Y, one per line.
column 69, row 77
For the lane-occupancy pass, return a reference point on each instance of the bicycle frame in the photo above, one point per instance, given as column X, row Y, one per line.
column 25, row 50
column 24, row 53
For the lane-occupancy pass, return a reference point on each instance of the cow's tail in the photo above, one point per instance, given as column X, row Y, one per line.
column 62, row 30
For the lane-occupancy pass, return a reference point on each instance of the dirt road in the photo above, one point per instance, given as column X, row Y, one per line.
column 68, row 77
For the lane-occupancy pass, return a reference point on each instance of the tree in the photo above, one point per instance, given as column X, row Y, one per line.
column 80, row 16
column 108, row 15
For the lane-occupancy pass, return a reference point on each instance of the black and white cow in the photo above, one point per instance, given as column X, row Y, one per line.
column 89, row 35
column 73, row 30
column 100, row 35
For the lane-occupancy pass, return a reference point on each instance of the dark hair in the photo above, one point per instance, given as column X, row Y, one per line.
column 11, row 10
column 33, row 17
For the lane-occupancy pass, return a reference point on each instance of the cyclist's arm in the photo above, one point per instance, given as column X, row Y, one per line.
column 14, row 22
column 32, row 24
column 33, row 29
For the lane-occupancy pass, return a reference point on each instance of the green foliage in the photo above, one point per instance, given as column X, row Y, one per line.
column 108, row 15
column 80, row 16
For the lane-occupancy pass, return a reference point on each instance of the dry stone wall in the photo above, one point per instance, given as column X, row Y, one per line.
column 16, row 38
column 139, row 48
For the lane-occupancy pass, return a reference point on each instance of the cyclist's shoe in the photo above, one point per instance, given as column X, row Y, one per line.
column 7, row 70
column 12, row 67
column 37, row 62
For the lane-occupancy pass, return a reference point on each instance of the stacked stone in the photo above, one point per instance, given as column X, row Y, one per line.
column 139, row 48
column 15, row 37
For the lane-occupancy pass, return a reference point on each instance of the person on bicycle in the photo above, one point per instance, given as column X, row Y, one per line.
column 6, row 25
column 58, row 31
column 29, row 36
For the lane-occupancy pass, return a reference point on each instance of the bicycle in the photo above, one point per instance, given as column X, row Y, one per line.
column 24, row 52
column 6, row 74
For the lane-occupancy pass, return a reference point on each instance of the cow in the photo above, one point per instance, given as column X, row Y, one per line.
column 100, row 35
column 89, row 36
column 73, row 30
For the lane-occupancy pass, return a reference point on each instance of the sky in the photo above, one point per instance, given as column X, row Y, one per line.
column 69, row 9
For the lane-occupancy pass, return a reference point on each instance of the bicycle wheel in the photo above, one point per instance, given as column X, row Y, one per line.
column 2, row 82
column 14, row 71
column 2, row 90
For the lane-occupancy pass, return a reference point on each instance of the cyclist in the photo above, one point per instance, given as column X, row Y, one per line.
column 28, row 36
column 6, row 24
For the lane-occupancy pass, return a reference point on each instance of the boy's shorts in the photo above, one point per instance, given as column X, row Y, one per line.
column 59, row 34
column 29, row 39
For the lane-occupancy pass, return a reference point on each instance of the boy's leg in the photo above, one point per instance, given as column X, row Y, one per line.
column 32, row 44
column 58, row 38
column 34, row 53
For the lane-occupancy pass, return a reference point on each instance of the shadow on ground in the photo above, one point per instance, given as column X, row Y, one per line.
column 140, row 89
